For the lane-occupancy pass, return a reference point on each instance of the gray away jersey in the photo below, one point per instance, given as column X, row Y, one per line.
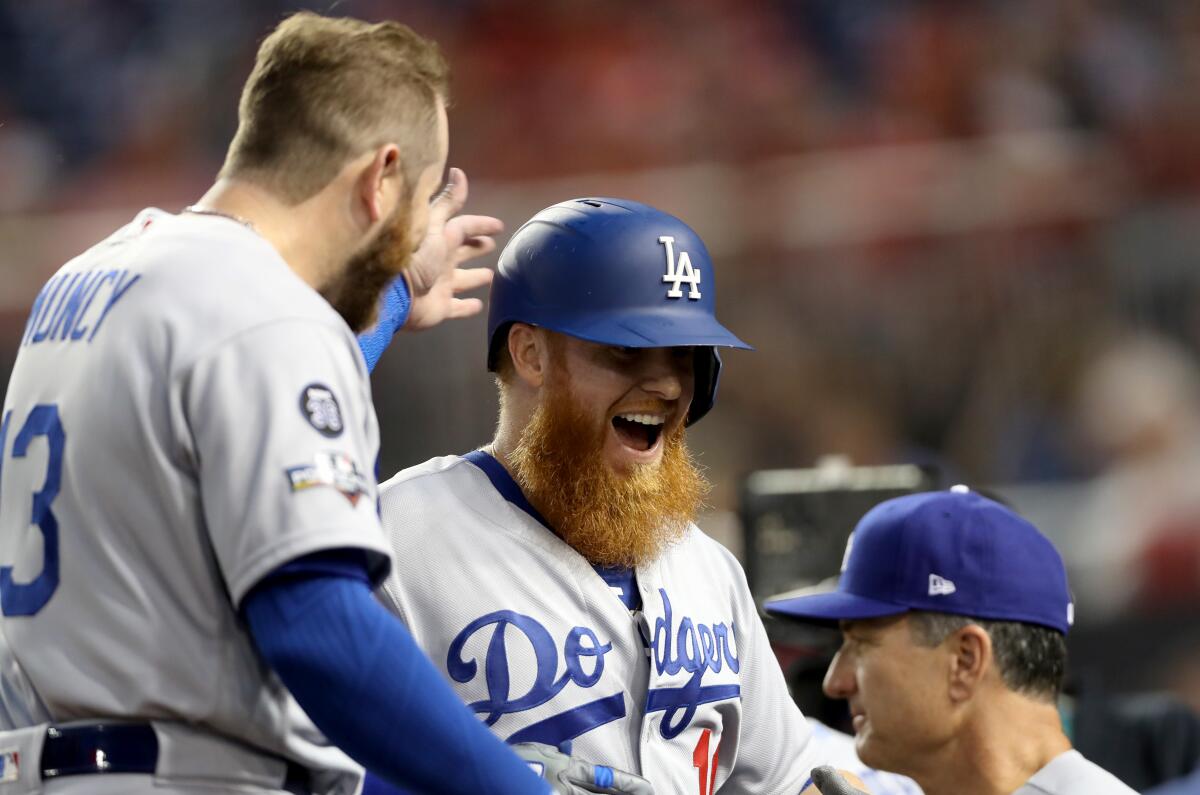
column 1070, row 773
column 686, row 692
column 185, row 415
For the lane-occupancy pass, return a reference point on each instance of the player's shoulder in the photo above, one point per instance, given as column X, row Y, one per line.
column 215, row 267
column 698, row 557
column 435, row 485
column 229, row 267
column 446, row 501
column 202, row 281
column 436, row 470
column 698, row 544
column 1071, row 771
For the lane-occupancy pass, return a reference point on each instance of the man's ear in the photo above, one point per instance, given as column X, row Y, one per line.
column 970, row 658
column 380, row 182
column 529, row 351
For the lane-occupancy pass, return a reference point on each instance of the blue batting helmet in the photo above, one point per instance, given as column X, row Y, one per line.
column 615, row 272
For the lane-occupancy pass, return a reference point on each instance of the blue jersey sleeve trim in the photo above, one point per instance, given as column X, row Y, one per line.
column 393, row 313
column 349, row 563
column 348, row 661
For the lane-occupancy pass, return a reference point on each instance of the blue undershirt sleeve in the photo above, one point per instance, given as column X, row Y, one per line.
column 364, row 682
column 393, row 312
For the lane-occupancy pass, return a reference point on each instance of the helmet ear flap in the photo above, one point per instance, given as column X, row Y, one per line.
column 707, row 369
column 497, row 343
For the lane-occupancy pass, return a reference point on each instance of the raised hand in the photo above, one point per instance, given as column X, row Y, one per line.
column 434, row 277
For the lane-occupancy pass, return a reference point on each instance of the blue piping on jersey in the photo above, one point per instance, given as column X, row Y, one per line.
column 504, row 484
column 616, row 577
column 678, row 704
column 568, row 725
column 623, row 580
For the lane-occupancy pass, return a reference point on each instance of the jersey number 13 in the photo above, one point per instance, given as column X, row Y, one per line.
column 25, row 599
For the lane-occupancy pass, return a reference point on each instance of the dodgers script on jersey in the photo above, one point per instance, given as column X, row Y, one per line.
column 185, row 415
column 685, row 692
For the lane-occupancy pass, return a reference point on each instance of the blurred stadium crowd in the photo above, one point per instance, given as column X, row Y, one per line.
column 960, row 233
column 621, row 84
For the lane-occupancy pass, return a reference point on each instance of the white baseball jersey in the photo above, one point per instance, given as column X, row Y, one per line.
column 1070, row 773
column 184, row 416
column 685, row 692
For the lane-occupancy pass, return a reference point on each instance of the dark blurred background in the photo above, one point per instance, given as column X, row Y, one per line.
column 962, row 234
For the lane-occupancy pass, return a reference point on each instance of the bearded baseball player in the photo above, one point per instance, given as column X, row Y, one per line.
column 188, row 522
column 562, row 585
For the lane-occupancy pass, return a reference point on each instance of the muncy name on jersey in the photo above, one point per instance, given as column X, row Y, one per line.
column 66, row 309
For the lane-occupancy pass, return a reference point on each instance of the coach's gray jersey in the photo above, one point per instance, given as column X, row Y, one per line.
column 185, row 415
column 1070, row 773
column 533, row 639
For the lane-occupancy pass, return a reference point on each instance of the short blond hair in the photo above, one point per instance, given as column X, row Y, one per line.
column 325, row 90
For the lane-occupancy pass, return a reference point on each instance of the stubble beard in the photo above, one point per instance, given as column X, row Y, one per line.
column 610, row 518
column 355, row 293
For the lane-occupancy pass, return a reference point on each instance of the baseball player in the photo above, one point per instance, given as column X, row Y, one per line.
column 563, row 588
column 188, row 517
column 954, row 612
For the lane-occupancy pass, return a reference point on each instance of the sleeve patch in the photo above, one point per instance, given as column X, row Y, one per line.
column 336, row 470
column 320, row 407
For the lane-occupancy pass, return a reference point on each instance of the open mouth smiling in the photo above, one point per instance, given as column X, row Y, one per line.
column 639, row 432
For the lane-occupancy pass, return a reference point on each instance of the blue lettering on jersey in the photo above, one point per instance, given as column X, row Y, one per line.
column 62, row 305
column 581, row 643
column 42, row 304
column 78, row 305
column 695, row 648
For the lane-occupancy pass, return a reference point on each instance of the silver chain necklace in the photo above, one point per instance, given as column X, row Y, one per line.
column 194, row 210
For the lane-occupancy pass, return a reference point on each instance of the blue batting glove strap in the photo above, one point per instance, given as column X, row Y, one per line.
column 602, row 776
column 393, row 313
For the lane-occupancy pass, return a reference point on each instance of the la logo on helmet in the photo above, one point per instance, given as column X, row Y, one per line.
column 680, row 272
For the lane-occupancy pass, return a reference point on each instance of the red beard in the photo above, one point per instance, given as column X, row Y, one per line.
column 610, row 518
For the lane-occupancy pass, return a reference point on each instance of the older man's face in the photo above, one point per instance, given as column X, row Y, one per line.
column 898, row 692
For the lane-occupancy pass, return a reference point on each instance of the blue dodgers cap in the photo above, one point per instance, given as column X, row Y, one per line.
column 945, row 551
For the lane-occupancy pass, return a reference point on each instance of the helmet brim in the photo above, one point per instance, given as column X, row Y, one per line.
column 653, row 330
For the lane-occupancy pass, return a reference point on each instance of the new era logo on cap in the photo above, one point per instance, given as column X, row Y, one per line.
column 947, row 551
column 940, row 586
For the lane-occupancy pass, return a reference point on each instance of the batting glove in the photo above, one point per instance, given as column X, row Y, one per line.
column 830, row 782
column 570, row 776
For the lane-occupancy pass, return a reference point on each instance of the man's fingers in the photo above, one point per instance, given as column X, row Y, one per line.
column 470, row 226
column 475, row 247
column 464, row 307
column 467, row 279
column 830, row 782
column 451, row 199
